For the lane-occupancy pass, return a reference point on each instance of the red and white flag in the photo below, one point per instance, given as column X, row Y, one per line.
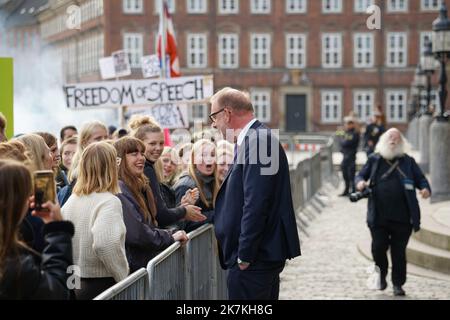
column 171, row 43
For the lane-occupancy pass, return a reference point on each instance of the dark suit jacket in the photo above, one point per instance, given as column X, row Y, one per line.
column 254, row 215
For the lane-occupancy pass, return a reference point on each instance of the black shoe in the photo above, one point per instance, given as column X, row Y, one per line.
column 383, row 284
column 398, row 291
column 344, row 194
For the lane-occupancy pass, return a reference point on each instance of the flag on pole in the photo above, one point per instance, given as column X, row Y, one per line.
column 171, row 44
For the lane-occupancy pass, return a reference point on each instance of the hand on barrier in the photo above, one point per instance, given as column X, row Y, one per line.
column 191, row 197
column 54, row 213
column 425, row 193
column 181, row 236
column 194, row 214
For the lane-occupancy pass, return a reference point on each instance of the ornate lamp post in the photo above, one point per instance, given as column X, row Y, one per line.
column 420, row 82
column 440, row 129
column 428, row 64
column 441, row 50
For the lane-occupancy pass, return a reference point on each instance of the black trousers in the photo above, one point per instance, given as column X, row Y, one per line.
column 348, row 167
column 261, row 281
column 92, row 287
column 395, row 236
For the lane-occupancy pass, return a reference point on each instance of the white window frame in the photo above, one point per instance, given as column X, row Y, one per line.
column 263, row 109
column 334, row 38
column 360, row 6
column 261, row 52
column 198, row 52
column 170, row 4
column 223, row 7
column 364, row 108
column 331, row 6
column 393, row 106
column 430, row 5
column 229, row 52
column 396, row 50
column 393, row 6
column 364, row 50
column 297, row 51
column 136, row 53
column 296, row 6
column 133, row 6
column 196, row 6
column 261, row 6
column 336, row 95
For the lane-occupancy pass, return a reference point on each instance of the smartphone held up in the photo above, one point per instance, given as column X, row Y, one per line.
column 44, row 189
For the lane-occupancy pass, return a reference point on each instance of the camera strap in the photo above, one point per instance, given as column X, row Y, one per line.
column 391, row 169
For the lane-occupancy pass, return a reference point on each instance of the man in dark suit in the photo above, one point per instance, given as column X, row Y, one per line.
column 254, row 216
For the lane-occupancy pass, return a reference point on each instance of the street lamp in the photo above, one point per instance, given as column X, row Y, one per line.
column 420, row 82
column 427, row 62
column 441, row 50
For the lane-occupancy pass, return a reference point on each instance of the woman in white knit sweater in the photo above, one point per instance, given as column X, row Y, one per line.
column 99, row 240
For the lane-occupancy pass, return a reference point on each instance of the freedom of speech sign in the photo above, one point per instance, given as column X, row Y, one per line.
column 196, row 89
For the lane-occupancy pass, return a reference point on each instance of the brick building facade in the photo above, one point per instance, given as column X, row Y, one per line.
column 305, row 63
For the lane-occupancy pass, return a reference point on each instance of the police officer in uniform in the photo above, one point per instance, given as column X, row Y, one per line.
column 349, row 147
column 373, row 133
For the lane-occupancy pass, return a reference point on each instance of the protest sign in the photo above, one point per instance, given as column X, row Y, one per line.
column 170, row 116
column 150, row 66
column 7, row 93
column 190, row 90
column 121, row 63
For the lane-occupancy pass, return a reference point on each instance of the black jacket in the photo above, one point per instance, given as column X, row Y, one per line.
column 415, row 179
column 31, row 276
column 143, row 240
column 184, row 184
column 165, row 216
column 349, row 143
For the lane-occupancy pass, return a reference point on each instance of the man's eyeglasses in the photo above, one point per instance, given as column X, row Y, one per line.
column 213, row 116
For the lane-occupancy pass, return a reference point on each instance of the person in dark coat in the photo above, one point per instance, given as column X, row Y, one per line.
column 24, row 273
column 144, row 240
column 201, row 175
column 349, row 147
column 373, row 133
column 149, row 132
column 254, row 218
column 393, row 209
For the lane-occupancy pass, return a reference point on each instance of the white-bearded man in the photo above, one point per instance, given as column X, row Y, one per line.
column 393, row 209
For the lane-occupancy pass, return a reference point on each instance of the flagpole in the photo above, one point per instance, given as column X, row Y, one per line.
column 162, row 17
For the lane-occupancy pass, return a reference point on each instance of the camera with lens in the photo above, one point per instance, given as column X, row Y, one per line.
column 356, row 196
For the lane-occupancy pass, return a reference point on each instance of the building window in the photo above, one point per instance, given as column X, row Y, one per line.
column 228, row 51
column 197, row 50
column 196, row 6
column 396, row 49
column 133, row 6
column 397, row 6
column 429, row 5
column 331, row 6
column 363, row 102
column 260, row 6
column 362, row 5
column 133, row 45
column 228, row 6
column 296, row 6
column 363, row 44
column 295, row 50
column 170, row 5
column 396, row 105
column 331, row 106
column 198, row 113
column 260, row 51
column 261, row 100
column 332, row 50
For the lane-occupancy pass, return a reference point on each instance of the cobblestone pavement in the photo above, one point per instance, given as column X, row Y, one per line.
column 331, row 268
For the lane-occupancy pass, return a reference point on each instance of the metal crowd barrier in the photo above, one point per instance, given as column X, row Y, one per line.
column 193, row 272
column 190, row 272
